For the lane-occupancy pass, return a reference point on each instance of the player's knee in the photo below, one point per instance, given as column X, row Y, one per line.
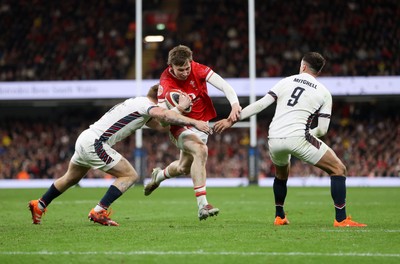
column 183, row 170
column 127, row 176
column 344, row 170
column 131, row 177
column 134, row 177
column 201, row 151
column 282, row 172
column 340, row 170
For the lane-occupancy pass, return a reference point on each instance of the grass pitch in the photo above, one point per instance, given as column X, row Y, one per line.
column 164, row 228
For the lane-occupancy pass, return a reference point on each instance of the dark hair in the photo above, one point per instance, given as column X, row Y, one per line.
column 179, row 55
column 315, row 61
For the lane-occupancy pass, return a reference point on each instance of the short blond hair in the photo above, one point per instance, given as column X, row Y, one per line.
column 152, row 93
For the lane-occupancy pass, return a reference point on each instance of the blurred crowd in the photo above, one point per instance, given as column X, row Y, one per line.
column 358, row 38
column 369, row 145
column 66, row 40
column 95, row 40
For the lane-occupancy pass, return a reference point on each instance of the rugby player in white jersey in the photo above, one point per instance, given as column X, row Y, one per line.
column 299, row 98
column 93, row 149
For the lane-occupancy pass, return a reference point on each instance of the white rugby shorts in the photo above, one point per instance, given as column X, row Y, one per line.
column 178, row 136
column 308, row 150
column 94, row 154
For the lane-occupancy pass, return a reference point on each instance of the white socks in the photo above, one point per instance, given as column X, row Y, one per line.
column 201, row 197
column 162, row 175
column 98, row 208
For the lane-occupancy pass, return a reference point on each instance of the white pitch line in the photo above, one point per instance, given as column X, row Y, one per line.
column 345, row 230
column 130, row 253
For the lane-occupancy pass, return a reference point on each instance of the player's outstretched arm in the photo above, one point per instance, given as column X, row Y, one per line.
column 172, row 117
column 248, row 111
column 235, row 112
column 155, row 124
column 218, row 82
column 257, row 106
column 223, row 125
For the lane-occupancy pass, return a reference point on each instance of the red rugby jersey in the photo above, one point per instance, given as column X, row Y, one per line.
column 195, row 86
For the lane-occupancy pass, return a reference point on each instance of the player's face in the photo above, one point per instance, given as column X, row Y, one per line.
column 182, row 72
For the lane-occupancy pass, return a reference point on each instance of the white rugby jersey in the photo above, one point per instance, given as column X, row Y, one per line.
column 123, row 119
column 299, row 99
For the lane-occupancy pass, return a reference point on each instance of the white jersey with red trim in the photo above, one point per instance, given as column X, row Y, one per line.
column 299, row 99
column 123, row 119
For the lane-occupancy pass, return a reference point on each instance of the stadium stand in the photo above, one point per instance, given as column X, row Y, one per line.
column 47, row 42
column 349, row 33
column 94, row 40
column 367, row 141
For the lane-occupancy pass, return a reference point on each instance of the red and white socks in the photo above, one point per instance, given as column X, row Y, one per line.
column 201, row 195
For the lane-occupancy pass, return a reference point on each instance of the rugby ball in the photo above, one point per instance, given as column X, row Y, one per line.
column 172, row 100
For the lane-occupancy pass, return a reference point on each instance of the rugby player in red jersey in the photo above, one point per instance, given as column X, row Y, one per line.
column 191, row 77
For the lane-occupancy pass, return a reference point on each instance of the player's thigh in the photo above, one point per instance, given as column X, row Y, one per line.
column 123, row 169
column 187, row 139
column 192, row 144
column 309, row 150
column 193, row 141
column 331, row 164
